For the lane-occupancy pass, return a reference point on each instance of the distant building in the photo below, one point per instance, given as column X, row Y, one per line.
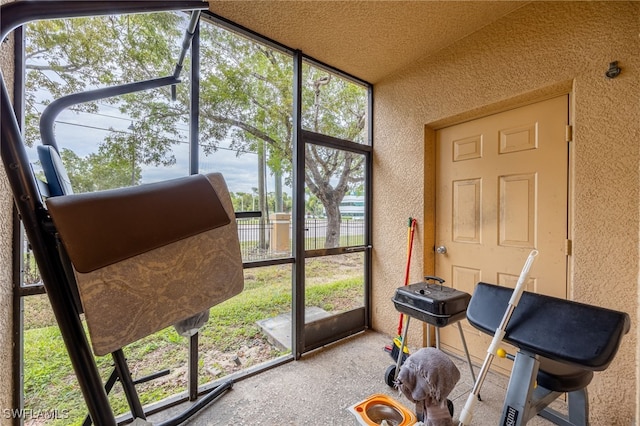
column 352, row 206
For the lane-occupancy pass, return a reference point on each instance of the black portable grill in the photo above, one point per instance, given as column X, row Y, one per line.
column 435, row 304
column 432, row 302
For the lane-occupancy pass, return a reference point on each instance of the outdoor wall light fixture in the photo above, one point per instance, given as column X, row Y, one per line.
column 614, row 70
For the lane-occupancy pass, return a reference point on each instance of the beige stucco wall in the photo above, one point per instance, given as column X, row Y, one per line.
column 541, row 49
column 6, row 231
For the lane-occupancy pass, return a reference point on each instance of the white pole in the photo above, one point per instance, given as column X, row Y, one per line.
column 467, row 412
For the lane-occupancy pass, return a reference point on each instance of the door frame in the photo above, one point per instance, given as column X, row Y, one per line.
column 429, row 196
column 306, row 337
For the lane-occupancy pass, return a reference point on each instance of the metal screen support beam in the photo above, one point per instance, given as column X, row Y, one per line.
column 297, row 335
column 194, row 111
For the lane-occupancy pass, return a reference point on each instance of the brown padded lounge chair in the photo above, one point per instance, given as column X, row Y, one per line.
column 144, row 258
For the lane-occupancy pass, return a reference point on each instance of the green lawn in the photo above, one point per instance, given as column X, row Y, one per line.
column 231, row 334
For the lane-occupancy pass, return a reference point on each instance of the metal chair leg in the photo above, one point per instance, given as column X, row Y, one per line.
column 127, row 384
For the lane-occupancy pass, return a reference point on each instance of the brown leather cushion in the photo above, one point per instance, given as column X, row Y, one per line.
column 102, row 228
column 181, row 272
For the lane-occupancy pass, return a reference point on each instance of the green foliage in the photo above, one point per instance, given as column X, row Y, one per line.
column 99, row 171
column 243, row 202
column 72, row 55
column 49, row 380
column 333, row 106
column 246, row 96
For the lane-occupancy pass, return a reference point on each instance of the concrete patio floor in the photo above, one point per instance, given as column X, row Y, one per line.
column 319, row 389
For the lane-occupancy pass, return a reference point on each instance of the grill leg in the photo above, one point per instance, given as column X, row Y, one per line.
column 466, row 353
column 402, row 345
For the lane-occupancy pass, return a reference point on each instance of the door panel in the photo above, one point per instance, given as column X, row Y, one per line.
column 502, row 191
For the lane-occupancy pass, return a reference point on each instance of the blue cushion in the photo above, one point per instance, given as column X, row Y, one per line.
column 57, row 178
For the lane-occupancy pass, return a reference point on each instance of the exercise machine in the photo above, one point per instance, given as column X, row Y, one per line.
column 560, row 344
column 78, row 271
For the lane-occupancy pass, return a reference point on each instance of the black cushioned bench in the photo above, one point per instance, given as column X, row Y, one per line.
column 560, row 344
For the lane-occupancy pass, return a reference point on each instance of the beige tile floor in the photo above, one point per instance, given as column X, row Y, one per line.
column 319, row 389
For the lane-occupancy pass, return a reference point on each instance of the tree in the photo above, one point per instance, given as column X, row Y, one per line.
column 336, row 108
column 286, row 200
column 100, row 171
column 241, row 201
column 245, row 96
column 313, row 206
column 73, row 55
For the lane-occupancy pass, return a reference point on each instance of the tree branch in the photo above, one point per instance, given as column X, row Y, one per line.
column 62, row 68
column 252, row 130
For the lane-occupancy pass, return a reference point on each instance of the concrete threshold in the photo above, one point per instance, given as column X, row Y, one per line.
column 278, row 329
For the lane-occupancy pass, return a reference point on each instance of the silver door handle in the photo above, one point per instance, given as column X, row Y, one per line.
column 441, row 250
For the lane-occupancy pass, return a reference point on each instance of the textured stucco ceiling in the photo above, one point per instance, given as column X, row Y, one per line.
column 368, row 39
